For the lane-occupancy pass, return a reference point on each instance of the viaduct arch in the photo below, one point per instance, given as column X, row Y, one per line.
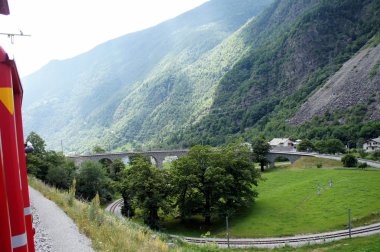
column 159, row 156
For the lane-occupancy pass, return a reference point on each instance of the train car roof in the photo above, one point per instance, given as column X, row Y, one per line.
column 17, row 87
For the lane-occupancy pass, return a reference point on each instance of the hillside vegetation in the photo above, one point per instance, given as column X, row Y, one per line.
column 133, row 88
column 295, row 47
column 227, row 69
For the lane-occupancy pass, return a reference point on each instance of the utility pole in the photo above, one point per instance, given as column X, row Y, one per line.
column 349, row 222
column 228, row 232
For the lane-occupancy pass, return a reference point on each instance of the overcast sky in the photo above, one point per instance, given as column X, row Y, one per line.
column 61, row 29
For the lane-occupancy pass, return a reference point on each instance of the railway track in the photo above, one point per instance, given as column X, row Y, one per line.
column 298, row 240
column 295, row 240
column 112, row 208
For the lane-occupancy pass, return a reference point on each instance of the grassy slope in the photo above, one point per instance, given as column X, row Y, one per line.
column 107, row 232
column 288, row 203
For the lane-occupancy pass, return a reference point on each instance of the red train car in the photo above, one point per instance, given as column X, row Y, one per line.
column 16, row 232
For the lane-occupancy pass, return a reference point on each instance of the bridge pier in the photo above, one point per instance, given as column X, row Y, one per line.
column 158, row 156
column 159, row 159
column 291, row 156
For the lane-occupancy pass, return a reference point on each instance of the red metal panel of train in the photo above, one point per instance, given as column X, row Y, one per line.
column 16, row 232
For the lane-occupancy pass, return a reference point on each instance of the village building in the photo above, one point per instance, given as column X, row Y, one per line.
column 282, row 144
column 372, row 145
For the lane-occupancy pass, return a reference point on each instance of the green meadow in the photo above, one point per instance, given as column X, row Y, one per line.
column 289, row 202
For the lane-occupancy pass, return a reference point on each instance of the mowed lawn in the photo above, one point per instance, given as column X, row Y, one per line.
column 289, row 204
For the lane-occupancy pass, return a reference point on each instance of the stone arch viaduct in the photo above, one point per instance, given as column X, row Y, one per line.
column 159, row 156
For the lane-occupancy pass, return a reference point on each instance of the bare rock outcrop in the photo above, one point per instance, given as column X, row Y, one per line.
column 357, row 82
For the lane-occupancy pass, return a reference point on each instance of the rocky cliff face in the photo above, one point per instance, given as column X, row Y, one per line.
column 357, row 82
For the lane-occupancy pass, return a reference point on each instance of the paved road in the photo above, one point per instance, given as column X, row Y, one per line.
column 62, row 232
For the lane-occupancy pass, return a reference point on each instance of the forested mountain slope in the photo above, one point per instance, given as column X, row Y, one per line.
column 221, row 71
column 295, row 46
column 132, row 88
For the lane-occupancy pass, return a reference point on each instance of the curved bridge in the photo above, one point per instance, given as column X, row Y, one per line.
column 291, row 155
column 159, row 156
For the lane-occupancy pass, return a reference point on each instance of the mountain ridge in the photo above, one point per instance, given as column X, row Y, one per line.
column 232, row 74
column 110, row 72
column 286, row 64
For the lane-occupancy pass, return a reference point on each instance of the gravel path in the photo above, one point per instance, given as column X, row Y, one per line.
column 55, row 231
column 42, row 241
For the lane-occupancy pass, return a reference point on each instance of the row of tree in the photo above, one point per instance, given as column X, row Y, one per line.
column 329, row 146
column 55, row 169
column 210, row 182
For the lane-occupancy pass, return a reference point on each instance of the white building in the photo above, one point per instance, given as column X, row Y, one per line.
column 282, row 144
column 372, row 145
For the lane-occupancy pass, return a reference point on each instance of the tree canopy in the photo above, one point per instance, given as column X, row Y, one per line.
column 260, row 149
column 210, row 181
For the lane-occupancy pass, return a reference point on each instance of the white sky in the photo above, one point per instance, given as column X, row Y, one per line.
column 61, row 29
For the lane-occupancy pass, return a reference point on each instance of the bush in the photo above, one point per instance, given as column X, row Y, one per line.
column 376, row 154
column 305, row 145
column 363, row 165
column 349, row 161
column 362, row 153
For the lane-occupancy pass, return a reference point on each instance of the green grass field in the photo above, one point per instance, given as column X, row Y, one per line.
column 288, row 202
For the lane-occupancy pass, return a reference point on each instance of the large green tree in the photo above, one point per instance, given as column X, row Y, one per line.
column 237, row 162
column 305, row 145
column 115, row 168
column 145, row 187
column 260, row 149
column 35, row 163
column 91, row 179
column 211, row 181
column 37, row 142
column 61, row 175
column 49, row 166
column 330, row 146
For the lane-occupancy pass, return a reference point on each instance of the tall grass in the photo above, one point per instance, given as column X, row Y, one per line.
column 107, row 232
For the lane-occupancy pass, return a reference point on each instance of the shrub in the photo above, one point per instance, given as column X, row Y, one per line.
column 349, row 161
column 305, row 145
column 363, row 165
